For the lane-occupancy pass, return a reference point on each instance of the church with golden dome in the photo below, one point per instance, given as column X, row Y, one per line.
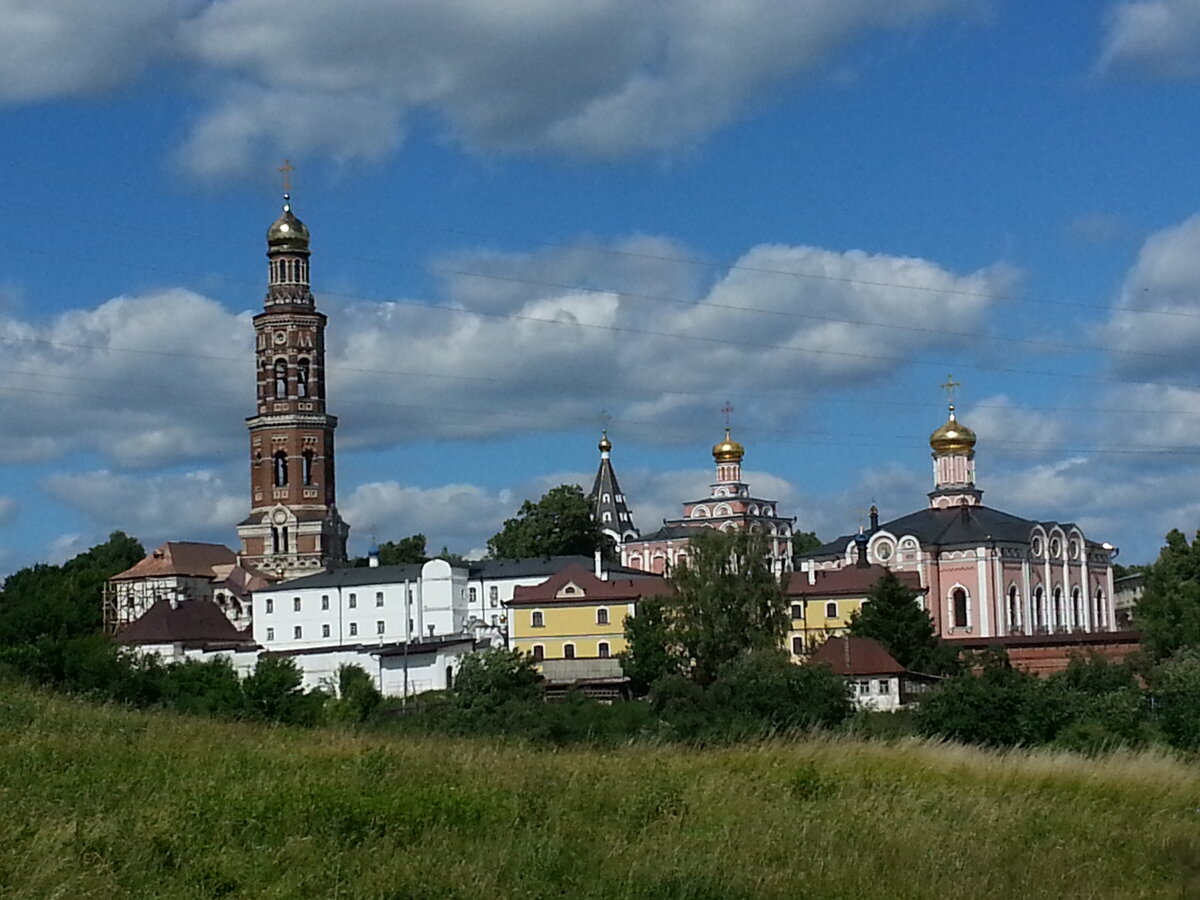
column 730, row 506
column 986, row 574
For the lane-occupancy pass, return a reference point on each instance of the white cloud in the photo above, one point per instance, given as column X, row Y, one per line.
column 596, row 79
column 1160, row 38
column 197, row 505
column 1001, row 424
column 1155, row 324
column 8, row 509
column 55, row 48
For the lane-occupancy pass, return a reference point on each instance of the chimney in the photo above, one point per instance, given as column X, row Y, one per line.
column 874, row 518
column 811, row 568
column 599, row 564
column 846, row 651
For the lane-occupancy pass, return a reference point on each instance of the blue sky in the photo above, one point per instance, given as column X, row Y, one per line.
column 529, row 211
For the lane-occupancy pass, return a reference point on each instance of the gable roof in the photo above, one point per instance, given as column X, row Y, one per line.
column 191, row 621
column 180, row 558
column 590, row 588
column 848, row 655
column 854, row 581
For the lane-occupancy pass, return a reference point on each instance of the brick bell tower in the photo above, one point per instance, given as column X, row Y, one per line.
column 294, row 527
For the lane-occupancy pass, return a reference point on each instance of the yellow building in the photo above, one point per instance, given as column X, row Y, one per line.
column 822, row 601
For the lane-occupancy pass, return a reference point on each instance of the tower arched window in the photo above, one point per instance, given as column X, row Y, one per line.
column 281, row 469
column 308, row 457
column 302, row 378
column 959, row 598
column 1077, row 609
column 1058, row 608
column 274, row 542
column 1039, row 609
column 1014, row 610
column 1100, row 617
column 280, row 379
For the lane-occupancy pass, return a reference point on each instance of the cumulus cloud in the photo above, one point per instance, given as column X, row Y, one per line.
column 56, row 48
column 124, row 379
column 1160, row 38
column 197, row 505
column 489, row 359
column 1155, row 323
column 1002, row 424
column 595, row 79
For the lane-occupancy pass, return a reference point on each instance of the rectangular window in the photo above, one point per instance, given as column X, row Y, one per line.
column 270, row 605
column 864, row 687
column 352, row 602
column 797, row 611
column 831, row 610
column 539, row 652
column 537, row 620
column 270, row 634
column 602, row 616
column 568, row 651
column 297, row 632
column 379, row 598
column 471, row 594
column 353, row 629
column 493, row 593
column 379, row 627
column 602, row 651
column 295, row 604
column 798, row 645
column 324, row 631
column 324, row 602
column 884, row 686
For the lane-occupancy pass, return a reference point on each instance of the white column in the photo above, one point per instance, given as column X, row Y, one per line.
column 984, row 600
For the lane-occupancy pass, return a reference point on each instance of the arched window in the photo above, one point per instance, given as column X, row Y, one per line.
column 308, row 457
column 274, row 544
column 1077, row 609
column 281, row 469
column 539, row 652
column 1101, row 618
column 302, row 378
column 1014, row 609
column 1058, row 608
column 831, row 610
column 606, row 516
column 959, row 599
column 602, row 650
column 602, row 616
column 280, row 379
column 568, row 651
column 659, row 564
column 283, row 538
column 1039, row 609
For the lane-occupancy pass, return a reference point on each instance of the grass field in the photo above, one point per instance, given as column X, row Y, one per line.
column 100, row 802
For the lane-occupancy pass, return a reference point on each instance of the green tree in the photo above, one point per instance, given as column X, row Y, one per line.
column 63, row 601
column 486, row 681
column 802, row 542
column 559, row 524
column 652, row 653
column 404, row 552
column 275, row 692
column 357, row 695
column 725, row 602
column 1168, row 614
column 1175, row 686
column 766, row 689
column 893, row 617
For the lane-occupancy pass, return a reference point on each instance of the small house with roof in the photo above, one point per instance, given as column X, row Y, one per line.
column 875, row 679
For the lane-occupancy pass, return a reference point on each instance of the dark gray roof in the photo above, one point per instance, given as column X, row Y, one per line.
column 544, row 565
column 671, row 532
column 605, row 485
column 957, row 525
column 189, row 621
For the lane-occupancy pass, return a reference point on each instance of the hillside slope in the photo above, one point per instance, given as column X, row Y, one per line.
column 100, row 802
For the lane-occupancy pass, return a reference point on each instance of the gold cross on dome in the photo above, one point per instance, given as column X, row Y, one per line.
column 605, row 418
column 728, row 410
column 287, row 169
column 949, row 387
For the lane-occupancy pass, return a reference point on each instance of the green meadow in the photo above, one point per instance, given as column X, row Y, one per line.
column 104, row 802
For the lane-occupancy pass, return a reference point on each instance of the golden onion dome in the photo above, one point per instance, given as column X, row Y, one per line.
column 728, row 450
column 605, row 444
column 953, row 437
column 287, row 232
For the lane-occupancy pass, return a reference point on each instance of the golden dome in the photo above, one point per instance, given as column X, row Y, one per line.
column 287, row 232
column 728, row 450
column 953, row 437
column 605, row 444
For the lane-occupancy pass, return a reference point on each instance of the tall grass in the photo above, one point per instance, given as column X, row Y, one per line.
column 102, row 802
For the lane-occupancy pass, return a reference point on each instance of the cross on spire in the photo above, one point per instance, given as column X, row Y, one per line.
column 949, row 386
column 605, row 418
column 727, row 409
column 287, row 169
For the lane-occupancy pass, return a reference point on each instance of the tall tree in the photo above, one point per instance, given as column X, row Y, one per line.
column 1168, row 614
column 406, row 551
column 559, row 524
column 803, row 541
column 725, row 602
column 893, row 617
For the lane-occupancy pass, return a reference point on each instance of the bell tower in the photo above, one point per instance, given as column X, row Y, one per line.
column 294, row 527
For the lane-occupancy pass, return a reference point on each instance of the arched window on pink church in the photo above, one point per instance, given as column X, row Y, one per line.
column 959, row 598
column 1077, row 610
column 1039, row 609
column 659, row 565
column 1014, row 611
column 1101, row 618
column 1058, row 608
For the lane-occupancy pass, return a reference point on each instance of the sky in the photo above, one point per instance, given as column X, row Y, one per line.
column 529, row 213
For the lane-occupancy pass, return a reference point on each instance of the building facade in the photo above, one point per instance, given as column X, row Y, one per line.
column 986, row 573
column 730, row 506
column 294, row 527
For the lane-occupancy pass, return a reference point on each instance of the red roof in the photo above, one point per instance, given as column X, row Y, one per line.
column 199, row 621
column 587, row 587
column 180, row 558
column 854, row 581
column 848, row 655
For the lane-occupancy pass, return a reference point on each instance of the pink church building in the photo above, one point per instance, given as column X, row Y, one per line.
column 986, row 573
